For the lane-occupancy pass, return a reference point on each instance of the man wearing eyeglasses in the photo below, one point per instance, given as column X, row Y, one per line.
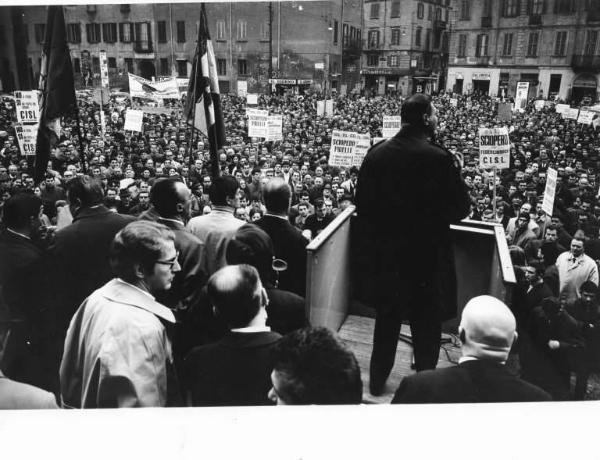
column 117, row 352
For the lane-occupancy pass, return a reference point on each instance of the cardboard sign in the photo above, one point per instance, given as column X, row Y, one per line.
column 505, row 111
column 320, row 108
column 329, row 108
column 494, row 148
column 27, row 138
column 549, row 192
column 252, row 99
column 571, row 114
column 561, row 108
column 586, row 117
column 348, row 148
column 133, row 120
column 275, row 128
column 27, row 106
column 103, row 69
column 391, row 125
column 258, row 124
column 242, row 88
column 157, row 90
column 521, row 95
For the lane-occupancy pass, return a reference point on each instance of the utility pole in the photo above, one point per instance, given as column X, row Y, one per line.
column 270, row 47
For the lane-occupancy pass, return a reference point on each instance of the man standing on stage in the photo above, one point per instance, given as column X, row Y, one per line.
column 407, row 263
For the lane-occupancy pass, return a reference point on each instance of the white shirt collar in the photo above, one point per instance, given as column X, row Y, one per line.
column 275, row 215
column 17, row 233
column 250, row 329
column 135, row 287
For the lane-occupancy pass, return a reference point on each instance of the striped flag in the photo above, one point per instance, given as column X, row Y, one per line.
column 203, row 108
column 57, row 88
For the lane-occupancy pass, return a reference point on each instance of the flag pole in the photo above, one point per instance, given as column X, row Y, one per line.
column 195, row 70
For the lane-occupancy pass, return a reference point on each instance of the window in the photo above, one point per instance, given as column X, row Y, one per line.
column 40, row 31
column 428, row 40
column 129, row 64
column 395, row 9
column 241, row 29
column 242, row 67
column 25, row 34
column 373, row 38
column 462, row 45
column 420, row 11
column 465, row 10
column 507, row 45
column 418, row 36
column 142, row 36
column 345, row 37
column 437, row 38
column 395, row 36
column 393, row 60
column 95, row 64
column 510, row 8
column 125, row 8
column 532, row 44
column 335, row 32
column 487, row 9
column 93, row 33
column 162, row 31
column 77, row 65
column 109, row 32
column 112, row 63
column 221, row 66
column 374, row 11
column 164, row 66
column 590, row 43
column 560, row 43
column 182, row 68
column 438, row 14
column 221, row 30
column 74, row 33
column 430, row 13
column 180, row 31
column 126, row 32
column 482, row 45
column 564, row 6
column 535, row 7
column 372, row 60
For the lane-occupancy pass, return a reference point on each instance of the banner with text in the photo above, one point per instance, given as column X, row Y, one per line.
column 571, row 114
column 504, row 111
column 391, row 126
column 521, row 95
column 103, row 69
column 586, row 117
column 329, row 108
column 548, row 203
column 27, row 106
column 348, row 148
column 258, row 123
column 275, row 128
column 242, row 88
column 320, row 108
column 157, row 90
column 133, row 120
column 494, row 148
column 561, row 108
column 27, row 137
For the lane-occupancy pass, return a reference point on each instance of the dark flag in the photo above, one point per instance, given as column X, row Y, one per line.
column 57, row 87
column 203, row 108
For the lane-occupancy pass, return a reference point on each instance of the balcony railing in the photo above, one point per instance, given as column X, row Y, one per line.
column 586, row 62
column 535, row 20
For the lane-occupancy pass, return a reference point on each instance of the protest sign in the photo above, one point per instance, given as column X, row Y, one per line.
column 157, row 90
column 454, row 102
column 548, row 203
column 102, row 122
column 320, row 108
column 26, row 104
column 561, row 108
column 274, row 128
column 391, row 125
column 252, row 99
column 242, row 88
column 348, row 148
column 329, row 108
column 494, row 148
column 585, row 117
column 133, row 120
column 103, row 69
column 539, row 104
column 571, row 114
column 521, row 95
column 27, row 138
column 505, row 111
column 257, row 124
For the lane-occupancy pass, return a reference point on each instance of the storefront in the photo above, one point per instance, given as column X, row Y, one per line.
column 385, row 81
column 481, row 82
column 584, row 86
column 468, row 80
column 290, row 86
column 426, row 85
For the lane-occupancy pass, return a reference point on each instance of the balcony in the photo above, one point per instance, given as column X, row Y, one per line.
column 593, row 16
column 535, row 20
column 439, row 24
column 486, row 21
column 582, row 62
column 142, row 46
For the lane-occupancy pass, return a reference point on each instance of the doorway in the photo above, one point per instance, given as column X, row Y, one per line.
column 147, row 69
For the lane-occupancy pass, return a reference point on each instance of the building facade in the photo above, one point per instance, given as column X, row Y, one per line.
column 302, row 42
column 552, row 44
column 405, row 49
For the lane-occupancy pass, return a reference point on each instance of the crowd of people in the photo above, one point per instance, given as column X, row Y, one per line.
column 216, row 265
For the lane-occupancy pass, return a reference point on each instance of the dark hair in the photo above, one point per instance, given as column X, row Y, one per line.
column 222, row 187
column 235, row 294
column 315, row 367
column 164, row 196
column 20, row 208
column 277, row 194
column 253, row 246
column 414, row 108
column 86, row 189
column 140, row 242
column 589, row 286
column 525, row 215
column 517, row 255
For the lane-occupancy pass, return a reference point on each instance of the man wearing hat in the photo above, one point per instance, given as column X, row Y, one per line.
column 487, row 331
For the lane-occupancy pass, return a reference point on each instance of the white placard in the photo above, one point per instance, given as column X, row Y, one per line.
column 26, row 104
column 275, row 128
column 252, row 99
column 561, row 108
column 27, row 138
column 320, row 108
column 319, row 65
column 133, row 120
column 102, row 122
column 571, row 114
column 494, row 148
column 548, row 203
column 586, row 117
column 242, row 88
column 539, row 104
column 348, row 148
column 521, row 95
column 103, row 69
column 391, row 126
column 329, row 108
column 454, row 102
column 258, row 123
column 157, row 90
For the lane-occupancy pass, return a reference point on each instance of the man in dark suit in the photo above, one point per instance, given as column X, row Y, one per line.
column 80, row 251
column 289, row 243
column 408, row 269
column 235, row 370
column 487, row 331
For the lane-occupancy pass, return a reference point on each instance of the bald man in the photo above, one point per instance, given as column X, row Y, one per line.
column 487, row 331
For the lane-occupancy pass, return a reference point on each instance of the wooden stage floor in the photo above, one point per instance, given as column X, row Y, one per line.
column 357, row 333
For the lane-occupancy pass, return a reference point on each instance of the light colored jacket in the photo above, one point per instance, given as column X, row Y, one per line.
column 116, row 350
column 573, row 272
column 17, row 395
